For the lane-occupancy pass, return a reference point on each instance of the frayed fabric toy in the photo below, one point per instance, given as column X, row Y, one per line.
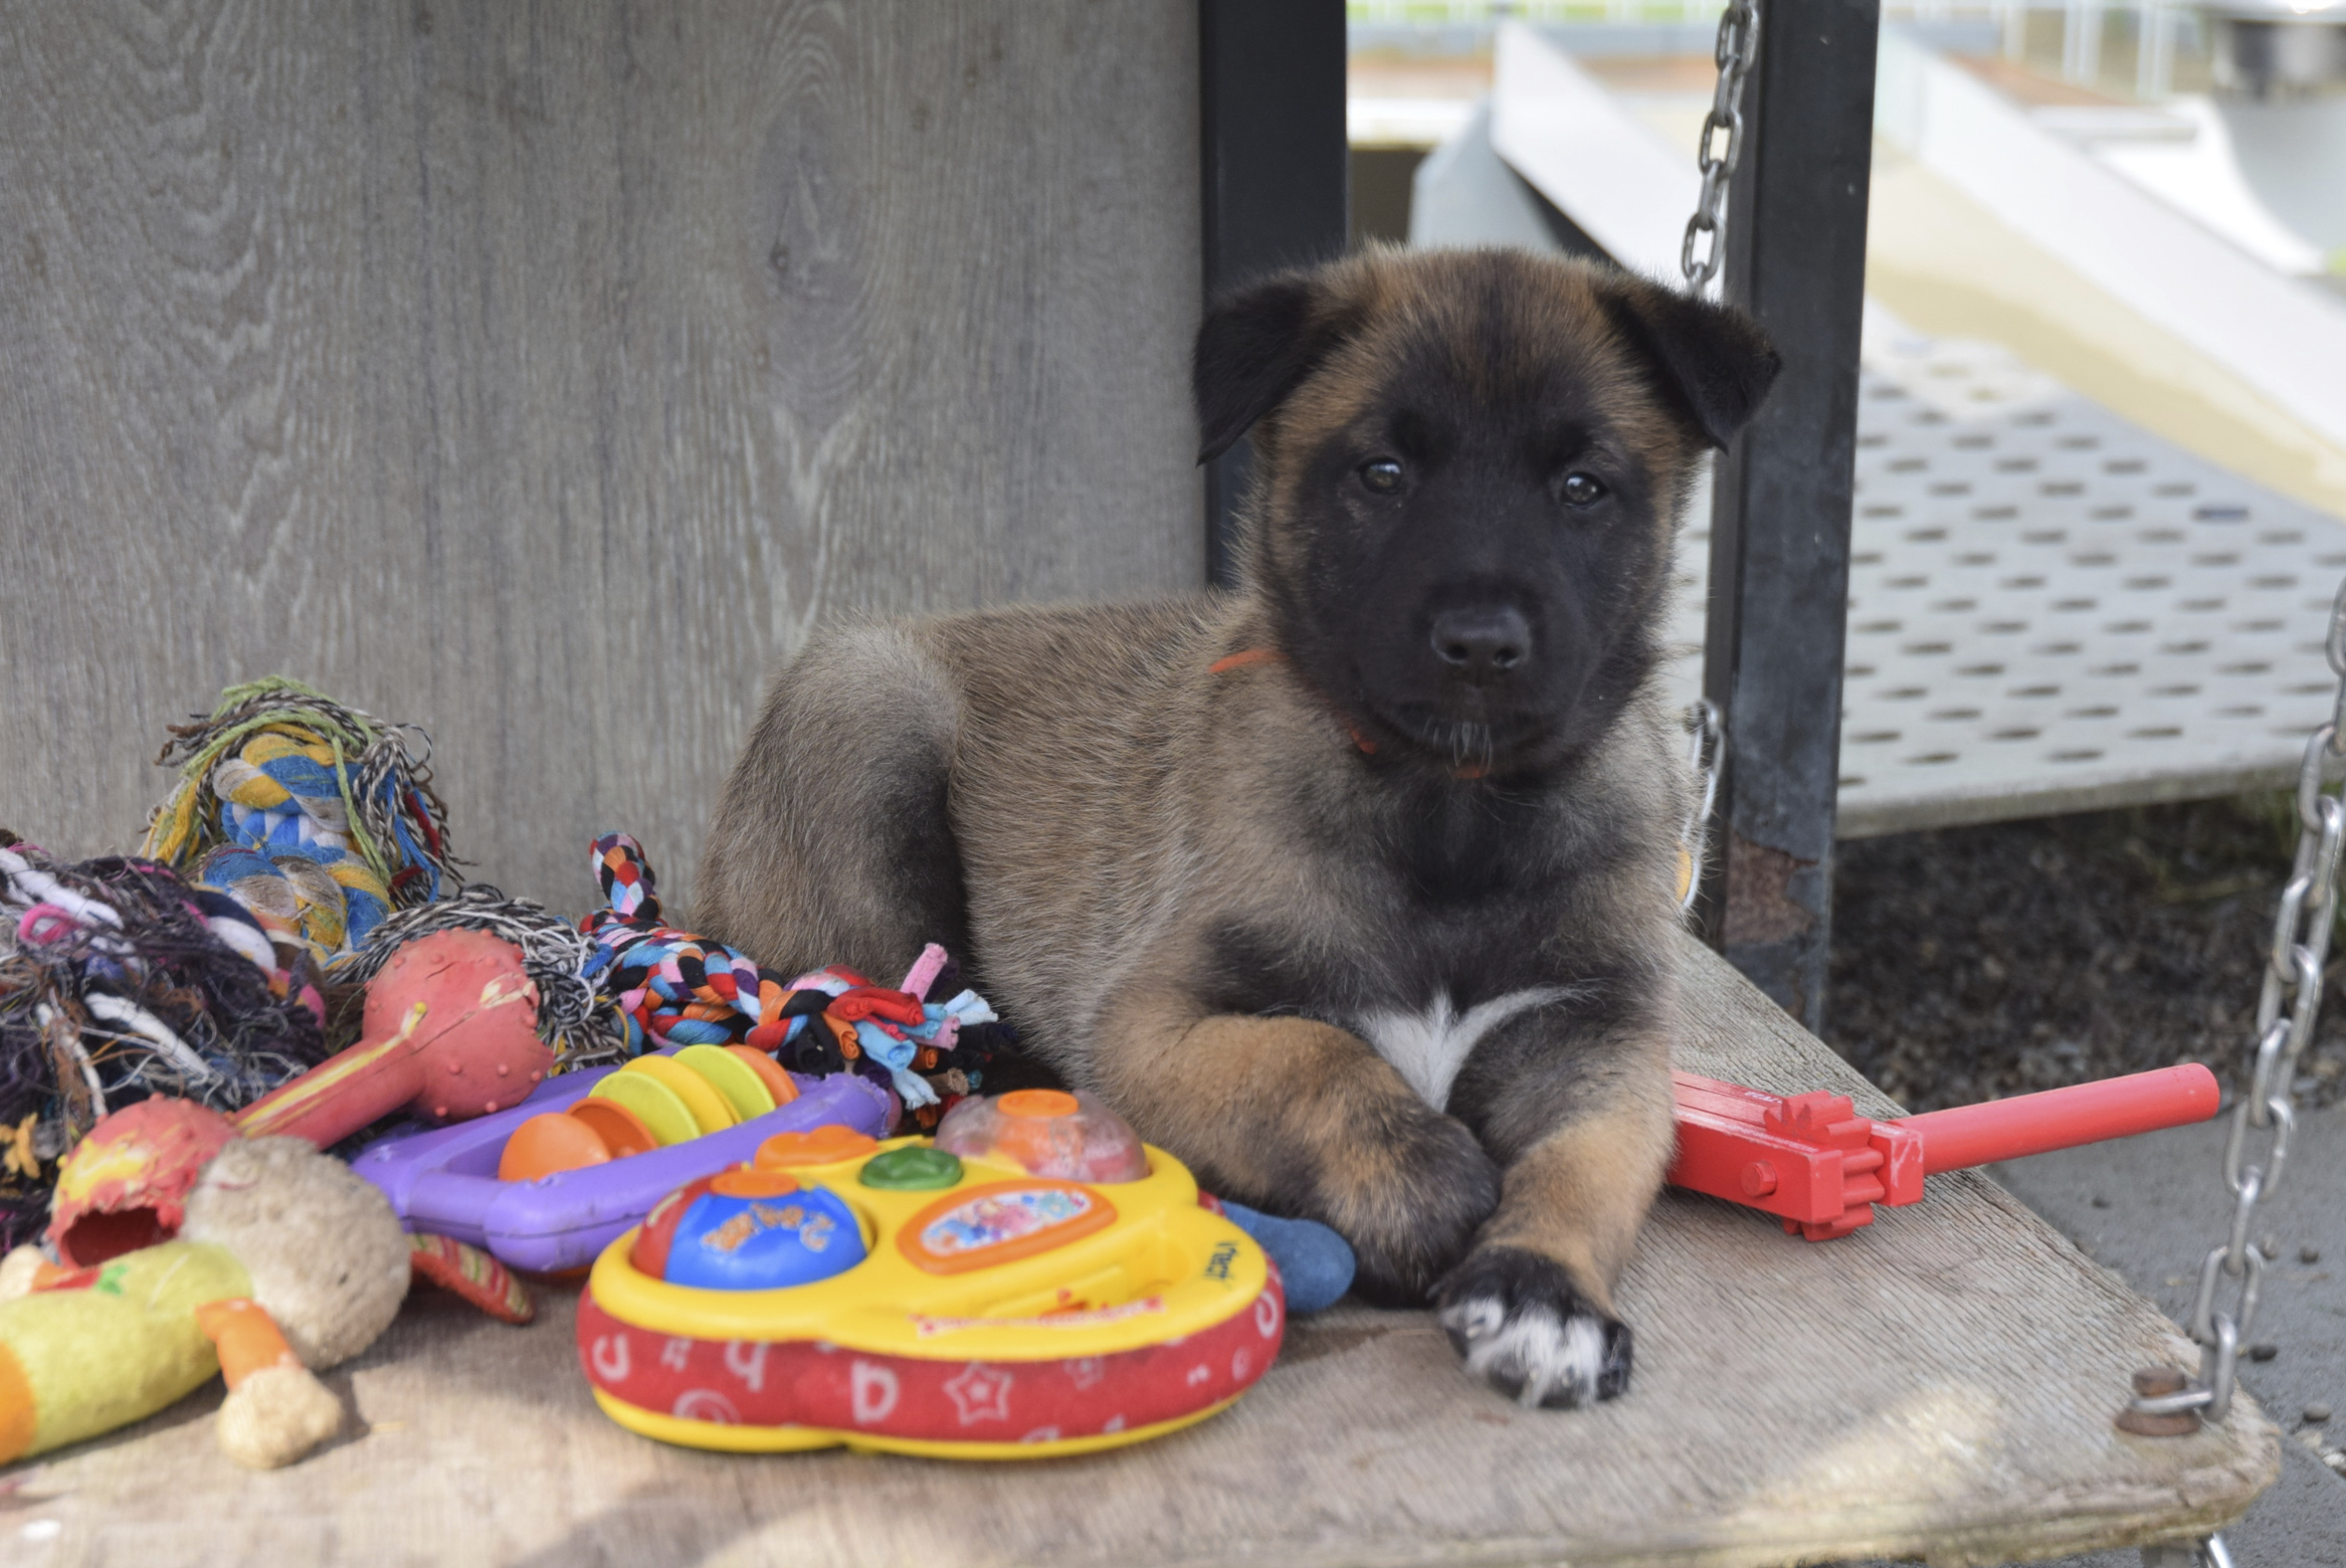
column 676, row 988
column 120, row 981
column 315, row 816
column 283, row 1263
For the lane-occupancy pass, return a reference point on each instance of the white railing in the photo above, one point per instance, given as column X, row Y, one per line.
column 2084, row 23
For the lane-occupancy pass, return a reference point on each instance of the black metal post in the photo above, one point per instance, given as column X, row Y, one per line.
column 1272, row 154
column 1795, row 238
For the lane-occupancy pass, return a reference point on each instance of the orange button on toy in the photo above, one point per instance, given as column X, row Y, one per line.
column 753, row 1184
column 821, row 1146
column 778, row 1083
column 549, row 1143
column 1038, row 1103
column 622, row 1130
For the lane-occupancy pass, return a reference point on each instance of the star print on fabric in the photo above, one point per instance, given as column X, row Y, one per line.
column 980, row 1392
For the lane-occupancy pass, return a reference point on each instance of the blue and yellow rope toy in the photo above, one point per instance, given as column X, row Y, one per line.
column 317, row 816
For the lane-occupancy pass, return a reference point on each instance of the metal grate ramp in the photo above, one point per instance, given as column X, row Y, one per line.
column 2050, row 609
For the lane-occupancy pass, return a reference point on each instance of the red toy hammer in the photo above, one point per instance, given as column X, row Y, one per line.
column 1814, row 1162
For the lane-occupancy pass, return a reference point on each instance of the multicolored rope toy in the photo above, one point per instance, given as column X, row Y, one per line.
column 676, row 988
column 280, row 779
column 118, row 982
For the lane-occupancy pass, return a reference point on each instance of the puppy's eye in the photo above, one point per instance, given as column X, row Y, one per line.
column 1383, row 476
column 1582, row 490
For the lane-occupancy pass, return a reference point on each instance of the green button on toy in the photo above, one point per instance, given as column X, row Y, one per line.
column 914, row 1168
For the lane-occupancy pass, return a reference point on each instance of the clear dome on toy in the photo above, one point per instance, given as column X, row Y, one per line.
column 1046, row 1132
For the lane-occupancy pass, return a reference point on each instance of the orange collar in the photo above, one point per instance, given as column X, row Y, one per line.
column 1246, row 657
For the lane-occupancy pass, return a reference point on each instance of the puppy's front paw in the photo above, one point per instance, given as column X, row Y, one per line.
column 1514, row 1319
column 1412, row 1209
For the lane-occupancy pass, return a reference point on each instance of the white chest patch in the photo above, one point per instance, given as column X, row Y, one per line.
column 1427, row 1048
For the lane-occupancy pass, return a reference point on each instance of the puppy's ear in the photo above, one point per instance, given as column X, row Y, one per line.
column 1715, row 361
column 1252, row 348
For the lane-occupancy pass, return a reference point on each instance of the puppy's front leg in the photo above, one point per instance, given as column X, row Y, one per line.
column 1300, row 1117
column 1579, row 1105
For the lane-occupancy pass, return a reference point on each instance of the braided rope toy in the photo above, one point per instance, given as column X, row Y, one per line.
column 325, row 909
column 676, row 988
column 334, row 815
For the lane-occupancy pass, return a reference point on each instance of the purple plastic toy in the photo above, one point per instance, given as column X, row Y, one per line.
column 444, row 1181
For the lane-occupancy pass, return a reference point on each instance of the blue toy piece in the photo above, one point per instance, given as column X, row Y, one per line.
column 1315, row 1263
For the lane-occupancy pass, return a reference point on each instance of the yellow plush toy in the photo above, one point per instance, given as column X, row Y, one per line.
column 286, row 1263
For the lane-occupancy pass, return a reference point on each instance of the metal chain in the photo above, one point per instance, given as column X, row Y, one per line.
column 1705, row 744
column 2265, row 1115
column 1738, row 48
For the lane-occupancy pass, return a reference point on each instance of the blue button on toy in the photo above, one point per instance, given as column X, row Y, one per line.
column 758, row 1230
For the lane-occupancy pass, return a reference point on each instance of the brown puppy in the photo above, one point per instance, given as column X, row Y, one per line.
column 1352, row 888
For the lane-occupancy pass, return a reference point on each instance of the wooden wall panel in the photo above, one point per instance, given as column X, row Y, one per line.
column 540, row 372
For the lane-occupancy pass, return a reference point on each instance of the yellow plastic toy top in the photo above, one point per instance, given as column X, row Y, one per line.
column 1043, row 1299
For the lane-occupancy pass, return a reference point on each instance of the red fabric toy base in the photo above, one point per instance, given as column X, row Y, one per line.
column 819, row 1393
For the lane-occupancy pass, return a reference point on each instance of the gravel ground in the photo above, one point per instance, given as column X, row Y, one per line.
column 1974, row 963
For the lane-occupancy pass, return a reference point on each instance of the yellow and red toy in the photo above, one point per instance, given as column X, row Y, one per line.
column 897, row 1296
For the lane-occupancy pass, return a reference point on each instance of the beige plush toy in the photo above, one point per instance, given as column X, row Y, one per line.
column 286, row 1263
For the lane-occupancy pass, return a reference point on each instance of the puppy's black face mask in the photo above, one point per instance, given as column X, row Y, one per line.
column 1462, row 512
column 1477, row 569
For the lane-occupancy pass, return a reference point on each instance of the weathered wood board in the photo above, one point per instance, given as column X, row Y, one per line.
column 539, row 372
column 1941, row 1383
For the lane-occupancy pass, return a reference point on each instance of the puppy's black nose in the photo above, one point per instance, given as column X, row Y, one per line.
column 1484, row 641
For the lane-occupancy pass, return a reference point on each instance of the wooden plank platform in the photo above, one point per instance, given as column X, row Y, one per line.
column 1940, row 1384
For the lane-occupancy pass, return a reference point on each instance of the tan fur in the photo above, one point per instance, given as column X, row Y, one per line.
column 1581, row 1193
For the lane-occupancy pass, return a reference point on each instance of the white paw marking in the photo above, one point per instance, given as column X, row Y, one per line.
column 1427, row 1048
column 1547, row 1355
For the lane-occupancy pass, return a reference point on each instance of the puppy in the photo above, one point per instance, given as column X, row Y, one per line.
column 1352, row 888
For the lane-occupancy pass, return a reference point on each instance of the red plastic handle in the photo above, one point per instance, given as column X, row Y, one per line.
column 345, row 1092
column 2064, row 1117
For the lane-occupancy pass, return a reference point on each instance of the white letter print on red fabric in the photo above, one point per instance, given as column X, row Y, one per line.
column 871, row 1393
column 746, row 1360
column 610, row 1357
column 706, row 1404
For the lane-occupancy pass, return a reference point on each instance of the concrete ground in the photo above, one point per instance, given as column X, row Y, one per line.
column 2150, row 1208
